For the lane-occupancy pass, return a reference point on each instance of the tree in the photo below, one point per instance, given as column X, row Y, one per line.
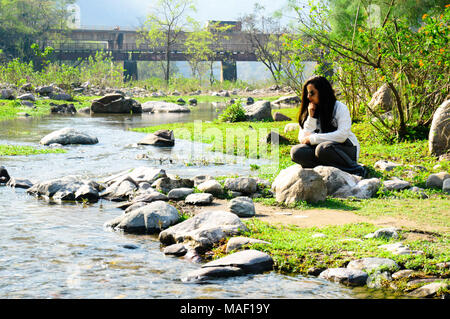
column 266, row 35
column 412, row 63
column 202, row 47
column 164, row 26
column 24, row 22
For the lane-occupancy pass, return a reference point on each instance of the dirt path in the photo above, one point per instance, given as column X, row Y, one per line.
column 315, row 217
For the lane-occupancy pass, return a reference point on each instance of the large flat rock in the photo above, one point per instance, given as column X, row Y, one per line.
column 203, row 230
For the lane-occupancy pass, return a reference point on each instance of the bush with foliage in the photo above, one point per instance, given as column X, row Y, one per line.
column 233, row 113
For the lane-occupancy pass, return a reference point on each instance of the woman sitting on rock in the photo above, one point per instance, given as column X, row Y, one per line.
column 325, row 134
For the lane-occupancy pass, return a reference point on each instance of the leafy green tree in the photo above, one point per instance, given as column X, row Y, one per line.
column 266, row 35
column 413, row 63
column 164, row 26
column 24, row 22
column 201, row 47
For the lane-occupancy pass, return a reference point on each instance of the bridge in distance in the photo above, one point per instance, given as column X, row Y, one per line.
column 122, row 45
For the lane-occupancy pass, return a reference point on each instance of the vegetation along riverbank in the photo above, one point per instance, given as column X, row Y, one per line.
column 388, row 230
column 306, row 237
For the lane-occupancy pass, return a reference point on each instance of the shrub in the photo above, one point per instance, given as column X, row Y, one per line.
column 233, row 113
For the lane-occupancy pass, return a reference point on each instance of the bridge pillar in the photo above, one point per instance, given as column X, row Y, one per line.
column 130, row 70
column 228, row 71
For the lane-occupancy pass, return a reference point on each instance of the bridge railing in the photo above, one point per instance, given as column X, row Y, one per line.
column 132, row 47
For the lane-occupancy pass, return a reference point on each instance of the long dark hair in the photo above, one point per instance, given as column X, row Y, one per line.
column 327, row 100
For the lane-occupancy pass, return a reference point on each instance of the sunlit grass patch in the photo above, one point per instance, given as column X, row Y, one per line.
column 294, row 249
column 16, row 150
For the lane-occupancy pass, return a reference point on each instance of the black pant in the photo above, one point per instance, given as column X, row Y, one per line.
column 339, row 155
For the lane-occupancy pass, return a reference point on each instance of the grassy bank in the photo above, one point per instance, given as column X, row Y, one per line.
column 295, row 250
column 16, row 150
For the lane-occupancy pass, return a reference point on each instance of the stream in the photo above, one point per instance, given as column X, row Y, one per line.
column 50, row 250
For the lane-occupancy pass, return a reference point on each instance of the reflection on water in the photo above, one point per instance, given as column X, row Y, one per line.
column 63, row 251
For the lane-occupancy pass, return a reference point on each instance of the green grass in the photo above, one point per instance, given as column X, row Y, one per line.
column 372, row 149
column 12, row 109
column 294, row 250
column 16, row 150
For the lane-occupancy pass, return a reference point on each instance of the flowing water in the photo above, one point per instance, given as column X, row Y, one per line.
column 50, row 250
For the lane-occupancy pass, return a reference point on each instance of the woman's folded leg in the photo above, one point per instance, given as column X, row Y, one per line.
column 304, row 155
column 340, row 156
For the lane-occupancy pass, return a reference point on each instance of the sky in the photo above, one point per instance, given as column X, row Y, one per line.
column 129, row 13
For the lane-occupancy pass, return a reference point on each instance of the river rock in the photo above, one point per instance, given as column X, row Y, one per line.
column 437, row 180
column 204, row 274
column 388, row 233
column 177, row 250
column 203, row 230
column 250, row 261
column 396, row 184
column 45, row 90
column 68, row 135
column 429, row 290
column 150, row 218
column 61, row 97
column 161, row 106
column 166, row 184
column 288, row 100
column 211, row 186
column 64, row 108
column 377, row 279
column 419, row 191
column 179, row 193
column 115, row 103
column 198, row 179
column 439, row 136
column 86, row 192
column 121, row 190
column 258, row 111
column 365, row 189
column 372, row 263
column 275, row 138
column 242, row 206
column 192, row 101
column 27, row 96
column 349, row 277
column 7, row 94
column 199, row 199
column 28, row 104
column 399, row 249
column 246, row 185
column 28, row 87
column 4, row 176
column 138, row 175
column 20, row 183
column 446, row 186
column 386, row 166
column 382, row 99
column 235, row 243
column 280, row 117
column 296, row 183
column 141, row 197
column 335, row 178
column 159, row 138
column 67, row 188
column 291, row 127
column 405, row 273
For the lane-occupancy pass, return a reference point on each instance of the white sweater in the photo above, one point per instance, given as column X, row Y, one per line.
column 341, row 119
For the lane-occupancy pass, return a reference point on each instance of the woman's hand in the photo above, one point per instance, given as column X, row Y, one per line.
column 311, row 109
column 305, row 139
